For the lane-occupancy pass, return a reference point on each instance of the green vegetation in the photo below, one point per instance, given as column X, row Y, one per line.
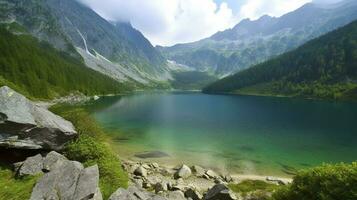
column 15, row 188
column 191, row 80
column 39, row 71
column 256, row 187
column 93, row 147
column 326, row 182
column 322, row 68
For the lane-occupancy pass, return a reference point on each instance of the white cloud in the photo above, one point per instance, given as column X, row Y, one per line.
column 167, row 22
column 253, row 9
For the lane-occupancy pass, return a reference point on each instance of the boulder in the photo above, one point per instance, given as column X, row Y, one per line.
column 87, row 185
column 66, row 180
column 53, row 160
column 219, row 192
column 141, row 171
column 31, row 166
column 212, row 174
column 183, row 172
column 198, row 171
column 25, row 125
column 160, row 187
column 134, row 193
column 175, row 195
column 193, row 194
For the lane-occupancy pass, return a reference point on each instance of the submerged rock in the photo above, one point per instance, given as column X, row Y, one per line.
column 25, row 125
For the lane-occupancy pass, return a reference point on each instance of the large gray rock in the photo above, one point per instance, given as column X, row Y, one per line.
column 25, row 125
column 198, row 170
column 67, row 180
column 87, row 185
column 53, row 160
column 183, row 172
column 219, row 192
column 31, row 166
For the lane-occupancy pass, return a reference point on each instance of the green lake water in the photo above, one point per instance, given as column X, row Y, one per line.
column 242, row 134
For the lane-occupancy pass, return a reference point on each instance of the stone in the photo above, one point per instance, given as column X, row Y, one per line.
column 198, row 171
column 25, row 125
column 219, row 192
column 193, row 194
column 59, row 183
column 31, row 166
column 228, row 178
column 212, row 174
column 122, row 194
column 160, row 187
column 88, row 184
column 155, row 165
column 183, row 172
column 141, row 171
column 175, row 195
column 275, row 180
column 146, row 166
column 53, row 160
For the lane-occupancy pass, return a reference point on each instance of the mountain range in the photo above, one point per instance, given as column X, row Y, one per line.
column 325, row 67
column 251, row 42
column 118, row 54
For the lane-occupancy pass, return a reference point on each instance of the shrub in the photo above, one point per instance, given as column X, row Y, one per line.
column 327, row 182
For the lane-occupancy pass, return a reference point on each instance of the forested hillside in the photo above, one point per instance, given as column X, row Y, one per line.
column 325, row 67
column 40, row 71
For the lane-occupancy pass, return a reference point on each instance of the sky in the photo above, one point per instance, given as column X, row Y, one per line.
column 168, row 22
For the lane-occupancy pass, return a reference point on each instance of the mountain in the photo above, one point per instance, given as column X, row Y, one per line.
column 40, row 71
column 325, row 67
column 251, row 42
column 114, row 49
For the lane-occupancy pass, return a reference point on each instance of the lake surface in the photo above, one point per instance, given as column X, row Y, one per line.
column 242, row 134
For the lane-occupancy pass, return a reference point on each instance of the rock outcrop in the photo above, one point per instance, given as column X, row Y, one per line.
column 25, row 125
column 65, row 179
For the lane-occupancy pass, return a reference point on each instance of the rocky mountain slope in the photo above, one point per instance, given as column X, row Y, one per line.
column 325, row 67
column 114, row 49
column 251, row 42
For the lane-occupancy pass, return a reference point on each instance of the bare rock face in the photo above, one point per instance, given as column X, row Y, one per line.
column 25, row 125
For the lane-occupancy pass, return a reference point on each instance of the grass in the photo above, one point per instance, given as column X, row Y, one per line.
column 257, row 187
column 93, row 147
column 12, row 188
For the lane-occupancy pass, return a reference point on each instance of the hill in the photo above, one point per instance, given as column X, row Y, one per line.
column 38, row 70
column 325, row 67
column 114, row 49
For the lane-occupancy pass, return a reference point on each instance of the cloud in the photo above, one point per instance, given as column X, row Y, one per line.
column 253, row 9
column 167, row 22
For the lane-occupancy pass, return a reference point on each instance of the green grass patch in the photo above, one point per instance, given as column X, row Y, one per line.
column 12, row 188
column 325, row 182
column 93, row 147
column 256, row 186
